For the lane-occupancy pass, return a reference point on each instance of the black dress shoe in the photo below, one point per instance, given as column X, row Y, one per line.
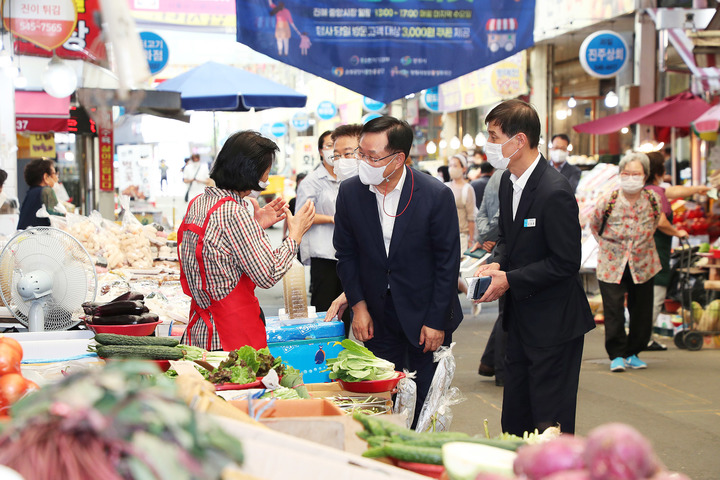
column 486, row 370
column 499, row 382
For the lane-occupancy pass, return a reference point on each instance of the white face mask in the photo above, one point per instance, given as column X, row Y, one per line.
column 373, row 175
column 631, row 185
column 345, row 168
column 558, row 156
column 495, row 155
column 327, row 156
column 257, row 193
column 456, row 173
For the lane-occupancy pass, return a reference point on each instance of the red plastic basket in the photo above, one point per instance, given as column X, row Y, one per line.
column 138, row 330
column 372, row 386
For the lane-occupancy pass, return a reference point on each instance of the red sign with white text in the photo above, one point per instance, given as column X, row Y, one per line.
column 46, row 23
column 84, row 42
column 105, row 137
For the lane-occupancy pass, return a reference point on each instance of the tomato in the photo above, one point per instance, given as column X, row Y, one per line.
column 31, row 386
column 10, row 359
column 11, row 342
column 12, row 387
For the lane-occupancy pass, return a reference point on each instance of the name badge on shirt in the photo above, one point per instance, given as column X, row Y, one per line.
column 529, row 222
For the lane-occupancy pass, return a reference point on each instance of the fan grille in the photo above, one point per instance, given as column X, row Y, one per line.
column 66, row 261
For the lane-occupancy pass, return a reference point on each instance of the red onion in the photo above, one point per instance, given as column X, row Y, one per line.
column 570, row 475
column 539, row 460
column 669, row 476
column 616, row 451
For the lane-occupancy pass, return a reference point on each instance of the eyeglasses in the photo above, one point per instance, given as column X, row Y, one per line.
column 632, row 175
column 327, row 146
column 347, row 155
column 367, row 159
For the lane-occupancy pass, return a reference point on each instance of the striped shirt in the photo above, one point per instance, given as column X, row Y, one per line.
column 234, row 244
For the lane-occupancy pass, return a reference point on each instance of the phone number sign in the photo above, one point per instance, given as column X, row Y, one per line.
column 46, row 23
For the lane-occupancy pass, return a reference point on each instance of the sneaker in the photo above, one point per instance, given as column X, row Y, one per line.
column 617, row 365
column 655, row 346
column 634, row 362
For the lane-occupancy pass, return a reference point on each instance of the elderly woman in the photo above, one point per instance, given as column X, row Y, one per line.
column 41, row 176
column 224, row 251
column 623, row 224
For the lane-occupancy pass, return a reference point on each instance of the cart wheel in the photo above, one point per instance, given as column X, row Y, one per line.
column 679, row 340
column 693, row 341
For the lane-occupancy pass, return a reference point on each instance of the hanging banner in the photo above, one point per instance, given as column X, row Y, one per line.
column 107, row 152
column 84, row 42
column 386, row 49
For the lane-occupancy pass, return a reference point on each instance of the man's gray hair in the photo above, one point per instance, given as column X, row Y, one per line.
column 635, row 157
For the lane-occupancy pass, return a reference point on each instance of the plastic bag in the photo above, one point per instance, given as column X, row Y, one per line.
column 442, row 419
column 406, row 397
column 439, row 387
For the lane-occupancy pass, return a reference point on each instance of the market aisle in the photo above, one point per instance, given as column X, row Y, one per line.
column 675, row 402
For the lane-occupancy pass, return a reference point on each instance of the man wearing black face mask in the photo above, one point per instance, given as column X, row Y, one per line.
column 536, row 265
column 397, row 242
column 558, row 159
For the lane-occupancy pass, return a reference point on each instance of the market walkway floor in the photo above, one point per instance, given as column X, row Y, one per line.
column 675, row 402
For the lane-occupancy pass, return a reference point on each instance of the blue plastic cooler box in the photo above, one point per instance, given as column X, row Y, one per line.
column 305, row 346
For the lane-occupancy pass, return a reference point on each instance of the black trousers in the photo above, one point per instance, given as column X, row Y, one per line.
column 494, row 354
column 541, row 385
column 390, row 343
column 325, row 287
column 618, row 343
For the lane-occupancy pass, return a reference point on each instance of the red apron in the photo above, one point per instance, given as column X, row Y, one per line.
column 237, row 317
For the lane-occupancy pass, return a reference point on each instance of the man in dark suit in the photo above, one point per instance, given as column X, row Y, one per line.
column 536, row 265
column 558, row 159
column 486, row 171
column 397, row 242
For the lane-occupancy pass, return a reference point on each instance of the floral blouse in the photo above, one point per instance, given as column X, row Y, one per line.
column 627, row 238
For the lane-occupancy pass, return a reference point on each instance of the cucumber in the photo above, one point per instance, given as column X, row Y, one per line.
column 437, row 441
column 408, row 453
column 378, row 441
column 374, row 452
column 144, row 352
column 114, row 339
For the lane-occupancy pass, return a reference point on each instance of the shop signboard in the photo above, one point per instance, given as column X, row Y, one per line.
column 300, row 121
column 489, row 85
column 84, row 42
column 326, row 110
column 42, row 145
column 386, row 49
column 156, row 50
column 278, row 129
column 45, row 23
column 107, row 152
column 430, row 99
column 370, row 105
column 603, row 54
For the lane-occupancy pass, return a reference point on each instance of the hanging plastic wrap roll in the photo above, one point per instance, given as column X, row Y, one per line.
column 406, row 397
column 438, row 393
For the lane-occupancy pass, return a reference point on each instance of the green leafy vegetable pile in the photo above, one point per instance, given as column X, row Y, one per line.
column 114, row 423
column 356, row 363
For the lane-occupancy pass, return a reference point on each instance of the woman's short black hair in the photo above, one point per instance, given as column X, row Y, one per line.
column 321, row 139
column 657, row 166
column 3, row 177
column 35, row 171
column 242, row 161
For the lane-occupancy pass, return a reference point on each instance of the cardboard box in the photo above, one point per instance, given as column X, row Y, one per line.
column 316, row 407
column 308, row 356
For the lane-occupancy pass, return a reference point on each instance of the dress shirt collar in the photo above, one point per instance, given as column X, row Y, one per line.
column 519, row 183
column 323, row 173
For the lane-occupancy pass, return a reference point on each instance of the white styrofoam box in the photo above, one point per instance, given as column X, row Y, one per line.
column 45, row 347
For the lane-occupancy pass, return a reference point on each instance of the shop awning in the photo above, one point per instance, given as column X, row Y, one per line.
column 675, row 111
column 40, row 112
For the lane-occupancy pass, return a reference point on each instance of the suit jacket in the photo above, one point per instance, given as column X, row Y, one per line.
column 572, row 173
column 423, row 264
column 540, row 251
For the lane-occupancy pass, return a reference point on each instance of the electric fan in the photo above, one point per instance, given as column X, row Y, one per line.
column 46, row 275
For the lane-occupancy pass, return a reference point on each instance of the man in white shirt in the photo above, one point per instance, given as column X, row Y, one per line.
column 196, row 176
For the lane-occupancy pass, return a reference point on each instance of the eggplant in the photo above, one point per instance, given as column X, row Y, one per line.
column 130, row 295
column 123, row 307
column 124, row 319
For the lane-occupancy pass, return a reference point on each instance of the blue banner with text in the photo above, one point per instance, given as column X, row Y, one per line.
column 386, row 49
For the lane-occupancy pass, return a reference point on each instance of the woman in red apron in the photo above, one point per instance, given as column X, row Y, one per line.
column 224, row 251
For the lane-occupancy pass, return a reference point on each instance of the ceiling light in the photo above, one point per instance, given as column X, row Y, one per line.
column 624, row 130
column 611, row 100
column 443, row 144
column 467, row 141
column 431, row 147
column 59, row 79
column 572, row 103
column 480, row 139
